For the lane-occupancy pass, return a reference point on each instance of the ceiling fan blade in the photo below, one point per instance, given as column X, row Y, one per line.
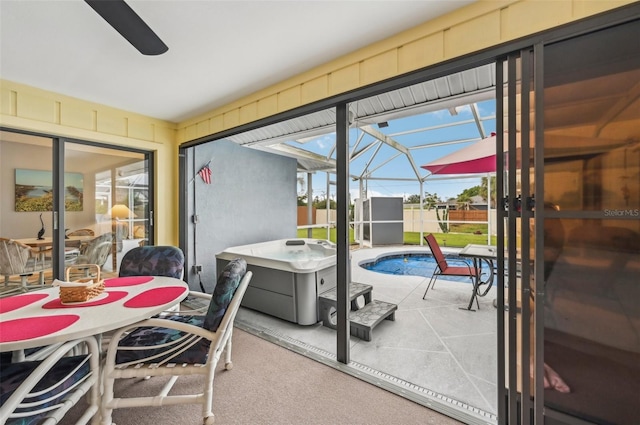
column 127, row 22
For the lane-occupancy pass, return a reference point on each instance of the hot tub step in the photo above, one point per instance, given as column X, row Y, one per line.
column 327, row 301
column 368, row 317
column 355, row 290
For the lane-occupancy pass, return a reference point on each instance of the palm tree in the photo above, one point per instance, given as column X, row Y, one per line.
column 484, row 188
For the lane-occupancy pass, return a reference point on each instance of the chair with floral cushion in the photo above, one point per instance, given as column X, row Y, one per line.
column 151, row 260
column 177, row 345
column 43, row 391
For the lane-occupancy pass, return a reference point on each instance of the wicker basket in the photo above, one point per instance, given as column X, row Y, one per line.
column 70, row 293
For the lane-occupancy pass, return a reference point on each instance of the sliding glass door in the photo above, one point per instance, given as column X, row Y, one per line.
column 592, row 176
column 517, row 284
column 70, row 202
column 115, row 212
column 566, row 321
column 569, row 327
column 26, row 211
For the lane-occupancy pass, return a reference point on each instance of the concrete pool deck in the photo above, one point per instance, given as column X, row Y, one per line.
column 432, row 352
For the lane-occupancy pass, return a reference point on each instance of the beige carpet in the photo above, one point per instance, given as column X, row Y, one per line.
column 272, row 385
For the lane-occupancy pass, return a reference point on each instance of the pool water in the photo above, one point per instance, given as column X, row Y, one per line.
column 412, row 265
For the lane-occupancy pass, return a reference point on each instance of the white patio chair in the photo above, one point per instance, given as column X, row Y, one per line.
column 44, row 391
column 94, row 251
column 18, row 259
column 177, row 345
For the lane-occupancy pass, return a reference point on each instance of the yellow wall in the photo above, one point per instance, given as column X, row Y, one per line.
column 27, row 108
column 477, row 26
column 480, row 25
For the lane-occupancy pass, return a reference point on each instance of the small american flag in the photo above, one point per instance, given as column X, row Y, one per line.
column 205, row 173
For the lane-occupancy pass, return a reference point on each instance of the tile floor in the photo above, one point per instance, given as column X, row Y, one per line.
column 433, row 348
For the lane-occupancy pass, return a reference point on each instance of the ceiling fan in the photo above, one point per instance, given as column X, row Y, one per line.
column 123, row 19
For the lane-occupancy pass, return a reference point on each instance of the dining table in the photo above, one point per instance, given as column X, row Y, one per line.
column 480, row 254
column 43, row 245
column 39, row 318
column 48, row 241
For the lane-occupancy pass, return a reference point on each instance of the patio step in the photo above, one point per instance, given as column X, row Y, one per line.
column 368, row 317
column 327, row 301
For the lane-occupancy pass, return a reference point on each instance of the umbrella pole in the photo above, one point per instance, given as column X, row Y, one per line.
column 421, row 212
column 488, row 209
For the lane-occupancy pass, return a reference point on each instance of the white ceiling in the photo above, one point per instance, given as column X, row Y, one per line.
column 219, row 51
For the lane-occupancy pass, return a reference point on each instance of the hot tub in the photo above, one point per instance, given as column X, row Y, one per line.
column 288, row 276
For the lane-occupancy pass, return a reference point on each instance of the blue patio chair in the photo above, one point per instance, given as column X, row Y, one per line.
column 151, row 260
column 34, row 392
column 177, row 345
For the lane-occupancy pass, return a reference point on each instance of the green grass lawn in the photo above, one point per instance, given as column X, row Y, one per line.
column 457, row 240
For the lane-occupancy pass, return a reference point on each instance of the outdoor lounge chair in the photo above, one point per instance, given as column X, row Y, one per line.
column 177, row 345
column 443, row 268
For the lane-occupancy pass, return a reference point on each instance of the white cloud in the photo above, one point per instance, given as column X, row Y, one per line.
column 326, row 142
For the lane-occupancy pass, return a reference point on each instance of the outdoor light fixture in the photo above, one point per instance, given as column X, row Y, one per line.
column 383, row 124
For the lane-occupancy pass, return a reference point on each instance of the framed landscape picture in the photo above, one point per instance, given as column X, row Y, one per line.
column 34, row 190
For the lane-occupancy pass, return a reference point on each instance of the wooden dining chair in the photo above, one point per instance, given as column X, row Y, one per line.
column 177, row 345
column 443, row 268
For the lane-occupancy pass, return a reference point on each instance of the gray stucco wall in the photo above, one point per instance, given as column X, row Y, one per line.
column 251, row 198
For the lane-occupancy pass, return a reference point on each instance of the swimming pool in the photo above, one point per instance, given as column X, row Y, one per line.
column 410, row 264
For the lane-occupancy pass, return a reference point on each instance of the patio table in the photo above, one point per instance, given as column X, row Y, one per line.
column 39, row 318
column 480, row 253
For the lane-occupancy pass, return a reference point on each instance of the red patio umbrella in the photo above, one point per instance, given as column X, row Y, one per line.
column 478, row 158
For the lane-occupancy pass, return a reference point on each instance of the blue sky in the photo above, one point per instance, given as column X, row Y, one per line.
column 401, row 131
